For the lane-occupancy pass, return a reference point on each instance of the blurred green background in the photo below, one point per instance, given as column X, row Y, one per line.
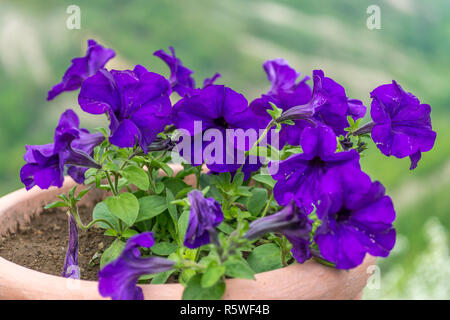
column 235, row 37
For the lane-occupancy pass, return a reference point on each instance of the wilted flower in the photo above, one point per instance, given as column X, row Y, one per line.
column 82, row 68
column 71, row 269
column 118, row 279
column 356, row 219
column 301, row 176
column 72, row 147
column 137, row 103
column 293, row 223
column 402, row 125
column 180, row 76
column 205, row 215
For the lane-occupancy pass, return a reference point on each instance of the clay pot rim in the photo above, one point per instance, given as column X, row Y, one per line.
column 311, row 268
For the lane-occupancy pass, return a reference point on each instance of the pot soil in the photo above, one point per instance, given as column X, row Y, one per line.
column 42, row 244
column 22, row 219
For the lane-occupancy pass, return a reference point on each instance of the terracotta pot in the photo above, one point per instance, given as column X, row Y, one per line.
column 310, row 280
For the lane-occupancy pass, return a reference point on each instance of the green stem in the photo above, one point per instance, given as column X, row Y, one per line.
column 191, row 264
column 74, row 212
column 116, row 182
column 135, row 153
column 256, row 144
column 283, row 251
column 266, row 209
column 110, row 183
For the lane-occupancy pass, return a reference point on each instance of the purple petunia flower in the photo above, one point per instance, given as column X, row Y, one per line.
column 180, row 76
column 327, row 104
column 118, row 279
column 72, row 147
column 137, row 103
column 285, row 91
column 301, row 176
column 218, row 108
column 82, row 68
column 205, row 215
column 71, row 269
column 356, row 219
column 402, row 125
column 293, row 223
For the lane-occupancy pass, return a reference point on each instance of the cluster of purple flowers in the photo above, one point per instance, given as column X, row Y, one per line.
column 355, row 216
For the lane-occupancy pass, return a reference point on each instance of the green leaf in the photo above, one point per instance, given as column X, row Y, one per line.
column 265, row 258
column 186, row 275
column 175, row 185
column 239, row 269
column 238, row 179
column 111, row 166
column 264, row 179
column 56, row 204
column 225, row 228
column 150, row 207
column 129, row 233
column 112, row 253
column 72, row 192
column 82, row 193
column 101, row 211
column 136, row 176
column 164, row 166
column 194, row 290
column 111, row 233
column 159, row 187
column 172, row 209
column 183, row 193
column 257, row 202
column 162, row 277
column 212, row 274
column 103, row 131
column 164, row 248
column 183, row 224
column 125, row 206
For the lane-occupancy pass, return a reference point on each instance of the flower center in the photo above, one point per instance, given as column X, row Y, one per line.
column 221, row 122
column 343, row 215
column 317, row 161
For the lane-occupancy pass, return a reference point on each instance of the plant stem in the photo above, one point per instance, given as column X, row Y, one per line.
column 110, row 183
column 75, row 214
column 266, row 209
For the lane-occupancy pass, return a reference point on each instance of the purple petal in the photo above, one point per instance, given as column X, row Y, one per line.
column 82, row 68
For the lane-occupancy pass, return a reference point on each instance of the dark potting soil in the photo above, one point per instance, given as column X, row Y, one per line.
column 42, row 244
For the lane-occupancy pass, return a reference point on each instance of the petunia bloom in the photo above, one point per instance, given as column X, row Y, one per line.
column 73, row 147
column 355, row 222
column 82, row 68
column 205, row 215
column 301, row 176
column 326, row 104
column 285, row 92
column 71, row 269
column 137, row 103
column 218, row 109
column 293, row 223
column 329, row 104
column 401, row 124
column 119, row 278
column 181, row 77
